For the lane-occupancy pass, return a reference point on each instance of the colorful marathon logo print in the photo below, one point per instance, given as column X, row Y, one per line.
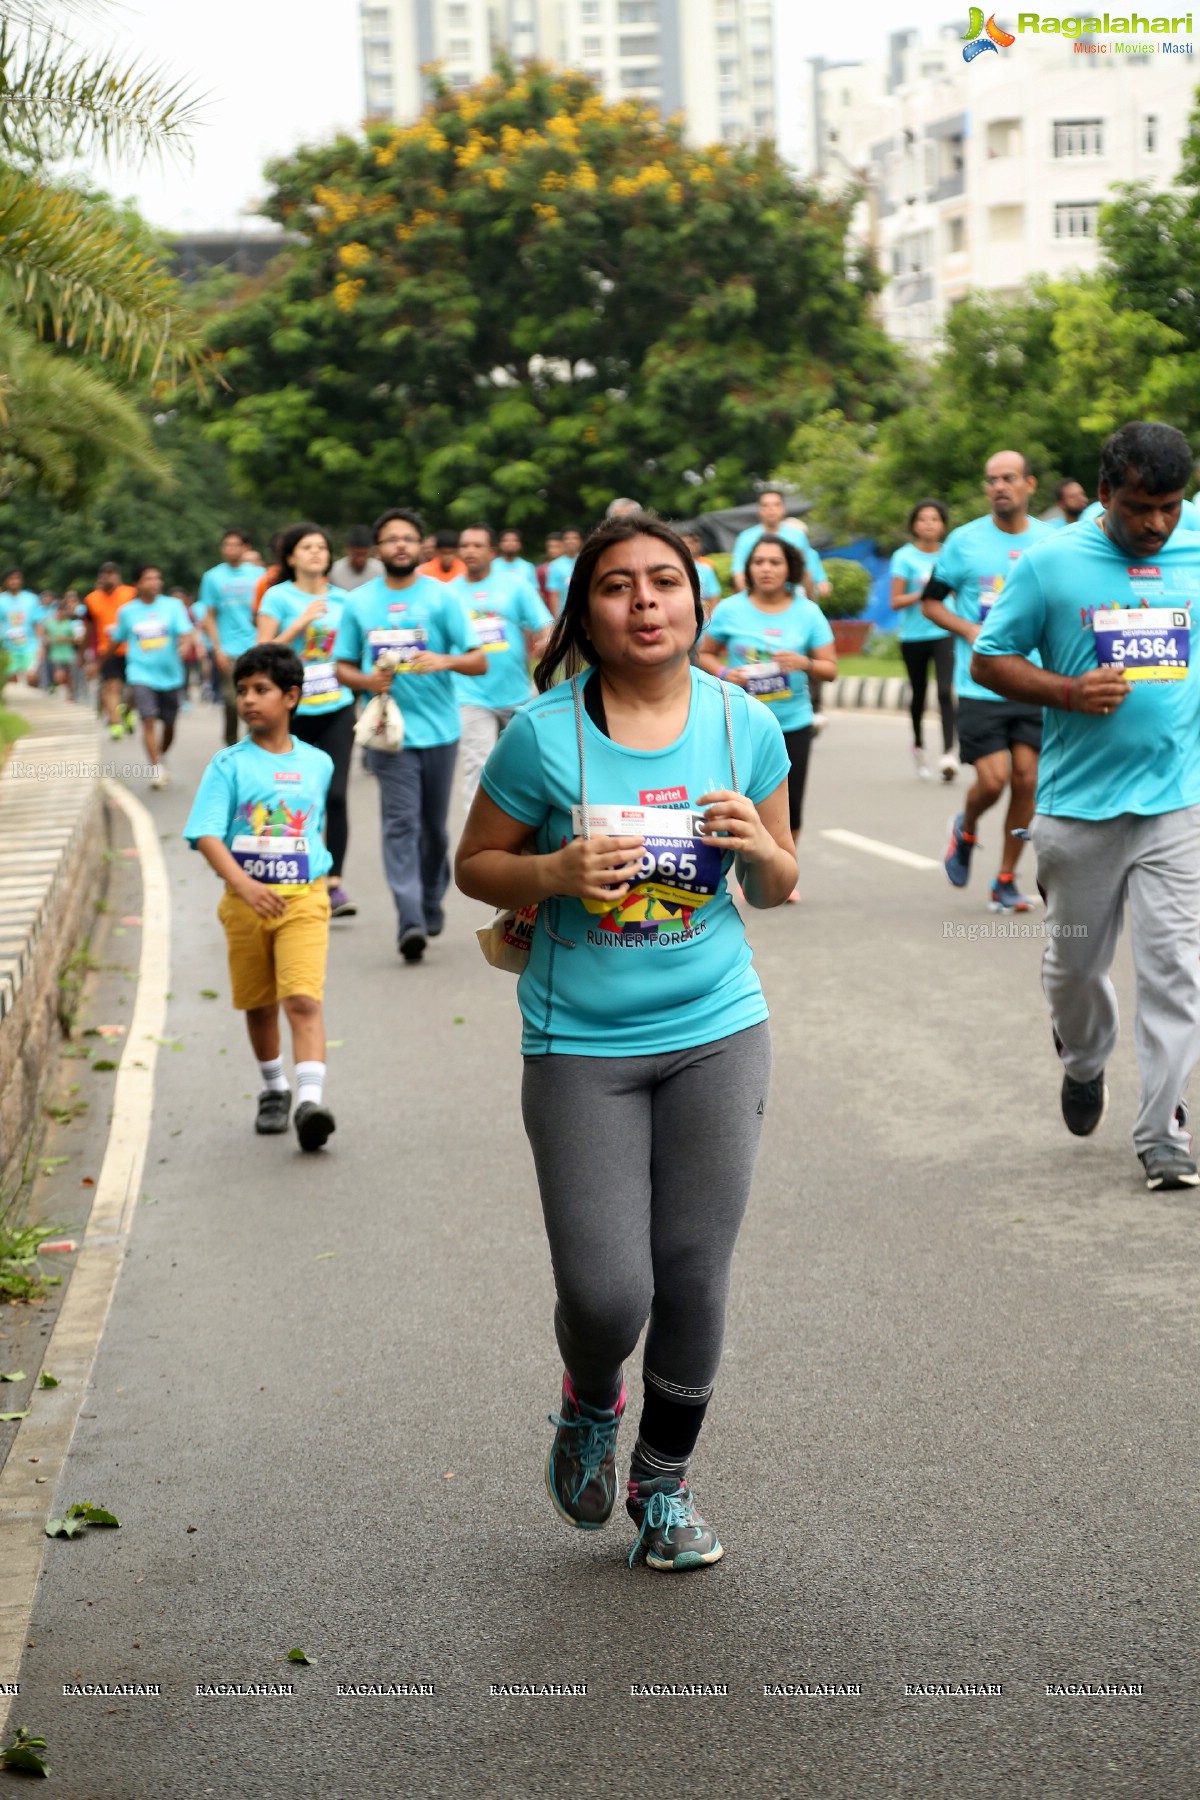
column 261, row 820
column 980, row 37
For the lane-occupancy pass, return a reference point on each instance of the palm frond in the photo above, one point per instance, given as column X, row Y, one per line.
column 62, row 425
column 70, row 272
column 83, row 102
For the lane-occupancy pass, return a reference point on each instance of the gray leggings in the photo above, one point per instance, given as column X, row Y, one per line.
column 644, row 1165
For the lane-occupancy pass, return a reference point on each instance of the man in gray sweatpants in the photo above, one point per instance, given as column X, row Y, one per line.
column 1110, row 605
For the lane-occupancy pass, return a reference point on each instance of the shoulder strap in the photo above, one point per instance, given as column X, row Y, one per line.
column 729, row 735
column 583, row 799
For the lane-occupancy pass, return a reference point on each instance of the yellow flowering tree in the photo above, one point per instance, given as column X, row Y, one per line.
column 530, row 300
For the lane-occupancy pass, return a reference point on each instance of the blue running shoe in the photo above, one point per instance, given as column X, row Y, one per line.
column 581, row 1464
column 957, row 860
column 1007, row 897
column 671, row 1534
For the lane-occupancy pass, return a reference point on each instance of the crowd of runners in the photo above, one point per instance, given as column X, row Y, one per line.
column 632, row 747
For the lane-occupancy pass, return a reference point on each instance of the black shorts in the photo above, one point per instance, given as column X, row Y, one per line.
column 157, row 703
column 985, row 726
column 112, row 665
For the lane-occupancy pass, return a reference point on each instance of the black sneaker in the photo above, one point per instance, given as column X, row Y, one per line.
column 1167, row 1166
column 1084, row 1104
column 671, row 1534
column 412, row 944
column 273, row 1110
column 314, row 1123
column 581, row 1464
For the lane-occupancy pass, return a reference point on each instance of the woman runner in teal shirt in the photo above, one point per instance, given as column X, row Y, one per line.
column 616, row 802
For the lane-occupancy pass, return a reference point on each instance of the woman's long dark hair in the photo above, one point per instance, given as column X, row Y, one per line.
column 291, row 537
column 570, row 650
column 793, row 556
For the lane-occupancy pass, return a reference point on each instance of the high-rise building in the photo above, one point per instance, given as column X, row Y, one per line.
column 713, row 61
column 981, row 176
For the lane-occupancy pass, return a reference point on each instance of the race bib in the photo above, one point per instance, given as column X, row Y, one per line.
column 403, row 645
column 277, row 861
column 490, row 632
column 989, row 593
column 678, row 868
column 319, row 679
column 1148, row 643
column 151, row 635
column 767, row 681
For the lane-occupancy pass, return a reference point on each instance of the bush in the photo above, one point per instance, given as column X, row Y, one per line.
column 850, row 586
column 720, row 561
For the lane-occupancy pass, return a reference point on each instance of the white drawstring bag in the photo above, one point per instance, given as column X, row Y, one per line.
column 381, row 726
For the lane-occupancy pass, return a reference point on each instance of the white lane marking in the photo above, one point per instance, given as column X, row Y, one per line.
column 889, row 852
column 71, row 1348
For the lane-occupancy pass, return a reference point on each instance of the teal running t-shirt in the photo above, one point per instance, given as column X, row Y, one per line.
column 19, row 618
column 914, row 567
column 1079, row 601
column 669, row 966
column 976, row 560
column 400, row 623
column 268, row 810
column 502, row 608
column 323, row 692
column 752, row 639
column 229, row 593
column 150, row 631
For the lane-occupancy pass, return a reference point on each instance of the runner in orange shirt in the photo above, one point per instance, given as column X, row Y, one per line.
column 445, row 564
column 103, row 604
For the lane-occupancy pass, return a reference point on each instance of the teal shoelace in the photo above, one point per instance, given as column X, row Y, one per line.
column 666, row 1512
column 596, row 1441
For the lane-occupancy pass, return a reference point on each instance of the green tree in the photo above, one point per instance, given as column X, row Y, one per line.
column 133, row 517
column 531, row 300
column 72, row 270
column 1050, row 373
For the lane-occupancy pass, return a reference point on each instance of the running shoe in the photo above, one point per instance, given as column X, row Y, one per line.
column 161, row 779
column 581, row 1463
column 1084, row 1104
column 274, row 1106
column 130, row 720
column 412, row 944
column 341, row 906
column 435, row 924
column 116, row 732
column 920, row 764
column 671, row 1533
column 1167, row 1166
column 957, row 861
column 314, row 1123
column 1007, row 897
column 820, row 721
column 948, row 767
column 793, row 898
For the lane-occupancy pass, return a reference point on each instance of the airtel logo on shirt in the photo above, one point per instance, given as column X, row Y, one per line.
column 288, row 775
column 663, row 796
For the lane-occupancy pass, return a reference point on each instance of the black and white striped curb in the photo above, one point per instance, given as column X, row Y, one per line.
column 875, row 693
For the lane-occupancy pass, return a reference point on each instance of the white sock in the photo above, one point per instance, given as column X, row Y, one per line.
column 273, row 1077
column 310, row 1080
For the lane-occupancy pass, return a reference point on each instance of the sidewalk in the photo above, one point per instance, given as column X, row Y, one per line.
column 52, row 836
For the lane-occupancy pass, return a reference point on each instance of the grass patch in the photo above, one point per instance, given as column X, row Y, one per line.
column 12, row 726
column 21, row 1276
column 872, row 665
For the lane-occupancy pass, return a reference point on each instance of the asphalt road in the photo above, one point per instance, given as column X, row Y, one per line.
column 953, row 1440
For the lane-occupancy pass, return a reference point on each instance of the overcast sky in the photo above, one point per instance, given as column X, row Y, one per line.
column 277, row 73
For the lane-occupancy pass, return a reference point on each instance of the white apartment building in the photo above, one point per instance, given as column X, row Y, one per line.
column 711, row 60
column 982, row 175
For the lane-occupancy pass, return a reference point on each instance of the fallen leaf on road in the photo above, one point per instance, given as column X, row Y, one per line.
column 449, row 1476
column 104, row 1065
column 107, row 1031
column 335, row 1043
column 325, row 1254
column 132, row 919
column 298, row 1656
column 209, row 994
column 68, row 1528
column 46, row 1380
column 88, row 1181
column 460, row 1021
column 17, row 1375
column 7, row 1418
column 22, row 1753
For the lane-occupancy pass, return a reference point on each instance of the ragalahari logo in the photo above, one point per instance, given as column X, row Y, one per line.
column 980, row 37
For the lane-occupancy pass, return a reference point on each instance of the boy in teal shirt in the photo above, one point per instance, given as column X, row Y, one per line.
column 258, row 820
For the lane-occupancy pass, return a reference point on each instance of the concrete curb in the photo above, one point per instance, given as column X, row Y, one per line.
column 53, row 832
column 876, row 693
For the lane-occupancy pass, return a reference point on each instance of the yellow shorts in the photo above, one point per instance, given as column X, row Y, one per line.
column 274, row 959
